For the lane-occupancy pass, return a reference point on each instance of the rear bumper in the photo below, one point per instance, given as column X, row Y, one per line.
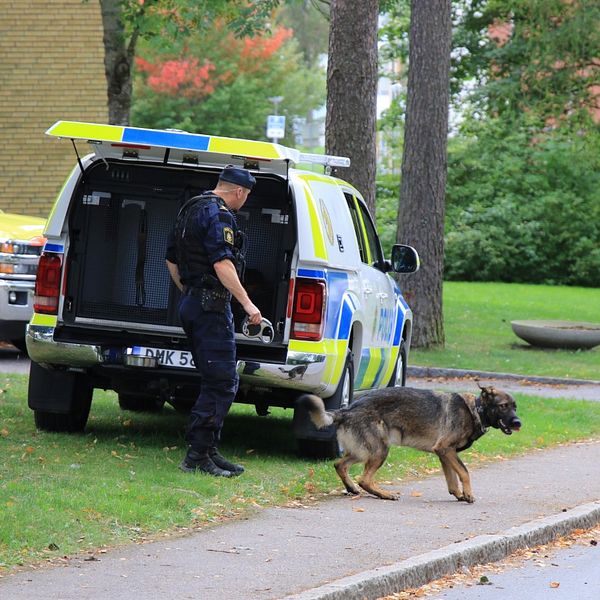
column 44, row 349
column 302, row 371
column 16, row 307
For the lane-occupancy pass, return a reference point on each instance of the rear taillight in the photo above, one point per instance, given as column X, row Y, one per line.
column 307, row 316
column 47, row 284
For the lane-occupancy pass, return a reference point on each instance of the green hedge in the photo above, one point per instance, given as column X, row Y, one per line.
column 524, row 210
column 518, row 209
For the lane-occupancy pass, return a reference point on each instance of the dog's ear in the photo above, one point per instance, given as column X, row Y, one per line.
column 481, row 387
column 487, row 392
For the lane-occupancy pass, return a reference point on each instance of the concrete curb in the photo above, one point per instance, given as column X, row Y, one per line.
column 419, row 570
column 462, row 373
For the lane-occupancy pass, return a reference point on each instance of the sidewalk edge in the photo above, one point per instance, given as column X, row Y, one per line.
column 413, row 371
column 417, row 571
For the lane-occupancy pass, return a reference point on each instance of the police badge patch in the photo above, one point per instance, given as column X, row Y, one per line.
column 228, row 235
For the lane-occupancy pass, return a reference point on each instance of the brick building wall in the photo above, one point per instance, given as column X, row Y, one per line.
column 51, row 68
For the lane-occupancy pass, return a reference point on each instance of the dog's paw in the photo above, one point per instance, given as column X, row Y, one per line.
column 466, row 498
column 385, row 495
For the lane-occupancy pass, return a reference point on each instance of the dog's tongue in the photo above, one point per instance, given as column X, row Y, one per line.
column 516, row 427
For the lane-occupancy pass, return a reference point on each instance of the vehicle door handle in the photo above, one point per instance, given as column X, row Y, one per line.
column 382, row 296
column 367, row 291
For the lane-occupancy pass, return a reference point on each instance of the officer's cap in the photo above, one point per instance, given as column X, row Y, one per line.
column 238, row 176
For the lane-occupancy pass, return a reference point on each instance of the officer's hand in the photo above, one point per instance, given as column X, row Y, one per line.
column 254, row 316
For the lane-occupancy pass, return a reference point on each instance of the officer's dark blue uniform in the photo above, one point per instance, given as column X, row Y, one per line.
column 206, row 232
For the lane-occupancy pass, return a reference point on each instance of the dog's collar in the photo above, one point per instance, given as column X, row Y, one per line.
column 477, row 413
column 481, row 414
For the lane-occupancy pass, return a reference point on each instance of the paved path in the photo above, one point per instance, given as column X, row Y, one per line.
column 283, row 551
column 466, row 381
column 343, row 548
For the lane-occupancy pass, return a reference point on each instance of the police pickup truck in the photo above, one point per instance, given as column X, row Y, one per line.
column 106, row 310
column 21, row 244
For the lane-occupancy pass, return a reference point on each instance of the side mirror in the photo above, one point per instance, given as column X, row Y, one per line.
column 405, row 259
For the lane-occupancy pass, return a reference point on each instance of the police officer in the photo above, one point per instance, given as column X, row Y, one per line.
column 202, row 257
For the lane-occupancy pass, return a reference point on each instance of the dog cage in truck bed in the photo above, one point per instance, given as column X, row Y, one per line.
column 119, row 230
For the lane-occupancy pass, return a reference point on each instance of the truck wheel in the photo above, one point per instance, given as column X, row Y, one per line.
column 398, row 378
column 71, row 423
column 135, row 403
column 328, row 447
column 60, row 401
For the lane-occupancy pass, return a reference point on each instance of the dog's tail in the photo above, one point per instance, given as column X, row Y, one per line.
column 316, row 410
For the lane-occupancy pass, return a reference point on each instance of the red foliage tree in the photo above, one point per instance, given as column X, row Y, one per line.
column 192, row 79
column 185, row 77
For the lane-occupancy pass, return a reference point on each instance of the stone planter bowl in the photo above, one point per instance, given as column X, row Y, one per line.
column 558, row 334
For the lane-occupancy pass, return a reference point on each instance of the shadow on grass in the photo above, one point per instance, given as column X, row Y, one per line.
column 554, row 351
column 269, row 436
column 243, row 430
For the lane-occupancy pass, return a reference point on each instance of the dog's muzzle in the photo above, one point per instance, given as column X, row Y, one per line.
column 513, row 425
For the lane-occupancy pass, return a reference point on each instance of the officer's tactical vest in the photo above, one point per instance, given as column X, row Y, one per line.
column 194, row 267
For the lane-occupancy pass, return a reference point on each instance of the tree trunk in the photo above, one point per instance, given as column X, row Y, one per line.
column 118, row 62
column 422, row 192
column 352, row 91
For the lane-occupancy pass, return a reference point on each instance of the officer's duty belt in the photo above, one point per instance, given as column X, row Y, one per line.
column 201, row 292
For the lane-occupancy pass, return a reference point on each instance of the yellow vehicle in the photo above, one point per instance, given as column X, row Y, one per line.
column 21, row 243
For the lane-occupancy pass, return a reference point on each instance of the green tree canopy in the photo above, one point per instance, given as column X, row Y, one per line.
column 542, row 58
column 125, row 22
column 523, row 195
column 523, row 212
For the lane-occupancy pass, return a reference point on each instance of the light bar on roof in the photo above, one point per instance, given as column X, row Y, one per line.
column 325, row 160
column 177, row 139
column 121, row 136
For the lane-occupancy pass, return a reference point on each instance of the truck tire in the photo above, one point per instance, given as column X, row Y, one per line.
column 72, row 422
column 327, row 446
column 136, row 403
column 60, row 401
column 398, row 378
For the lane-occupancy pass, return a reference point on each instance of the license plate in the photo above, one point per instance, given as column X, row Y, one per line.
column 167, row 358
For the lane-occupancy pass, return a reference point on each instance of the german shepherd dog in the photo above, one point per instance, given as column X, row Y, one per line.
column 442, row 423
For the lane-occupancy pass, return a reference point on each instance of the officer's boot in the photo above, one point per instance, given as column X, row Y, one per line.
column 198, row 461
column 223, row 463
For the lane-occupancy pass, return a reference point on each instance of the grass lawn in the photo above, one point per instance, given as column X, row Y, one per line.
column 477, row 320
column 119, row 482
